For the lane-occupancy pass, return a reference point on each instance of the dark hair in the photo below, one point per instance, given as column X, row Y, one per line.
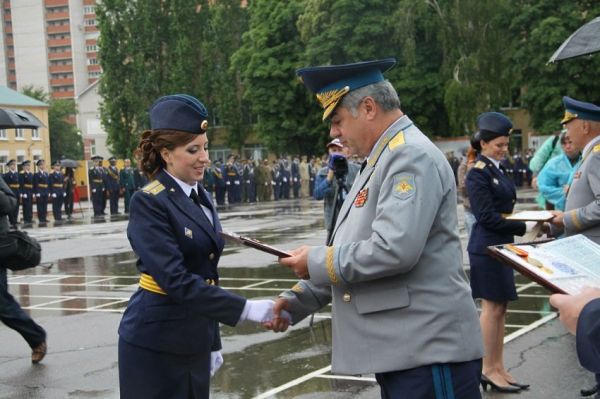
column 152, row 142
column 484, row 135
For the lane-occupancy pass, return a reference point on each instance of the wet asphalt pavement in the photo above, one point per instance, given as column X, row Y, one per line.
column 80, row 300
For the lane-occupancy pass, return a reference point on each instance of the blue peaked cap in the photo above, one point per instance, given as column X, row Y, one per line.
column 578, row 109
column 179, row 112
column 331, row 83
column 495, row 122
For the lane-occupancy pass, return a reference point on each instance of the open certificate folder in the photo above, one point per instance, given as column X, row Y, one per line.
column 254, row 243
column 562, row 266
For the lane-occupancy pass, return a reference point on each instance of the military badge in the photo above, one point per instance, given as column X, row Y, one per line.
column 188, row 233
column 495, row 181
column 577, row 175
column 404, row 185
column 361, row 198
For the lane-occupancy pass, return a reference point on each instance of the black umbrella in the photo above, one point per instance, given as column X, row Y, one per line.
column 585, row 40
column 18, row 118
column 69, row 163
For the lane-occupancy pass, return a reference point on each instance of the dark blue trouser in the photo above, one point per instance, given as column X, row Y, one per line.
column 437, row 381
column 57, row 206
column 114, row 202
column 14, row 317
column 41, row 204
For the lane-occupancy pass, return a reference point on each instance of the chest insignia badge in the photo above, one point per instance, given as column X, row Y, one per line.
column 188, row 233
column 361, row 198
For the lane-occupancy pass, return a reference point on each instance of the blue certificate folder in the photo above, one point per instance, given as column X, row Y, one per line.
column 254, row 243
column 562, row 266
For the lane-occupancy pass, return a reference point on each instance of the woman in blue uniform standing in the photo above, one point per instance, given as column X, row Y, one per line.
column 169, row 344
column 492, row 195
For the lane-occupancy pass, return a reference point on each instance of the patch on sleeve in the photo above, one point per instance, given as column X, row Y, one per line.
column 404, row 185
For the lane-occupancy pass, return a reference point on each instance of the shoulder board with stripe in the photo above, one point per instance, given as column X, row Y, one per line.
column 479, row 165
column 21, row 172
column 397, row 141
column 153, row 188
column 596, row 148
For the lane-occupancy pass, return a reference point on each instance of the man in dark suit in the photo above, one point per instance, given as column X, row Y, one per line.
column 40, row 189
column 26, row 190
column 12, row 180
column 57, row 189
column 112, row 185
column 96, row 178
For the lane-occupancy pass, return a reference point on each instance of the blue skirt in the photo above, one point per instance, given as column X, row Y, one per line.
column 491, row 280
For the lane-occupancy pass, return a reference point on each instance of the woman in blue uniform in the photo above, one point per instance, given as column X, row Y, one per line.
column 492, row 195
column 169, row 344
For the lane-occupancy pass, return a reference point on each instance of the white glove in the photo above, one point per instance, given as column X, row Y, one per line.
column 102, row 189
column 64, row 194
column 37, row 195
column 53, row 195
column 260, row 311
column 216, row 361
column 285, row 179
column 266, row 184
column 24, row 195
column 247, row 181
column 93, row 190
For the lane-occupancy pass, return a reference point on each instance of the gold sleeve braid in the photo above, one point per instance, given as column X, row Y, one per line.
column 329, row 263
column 576, row 222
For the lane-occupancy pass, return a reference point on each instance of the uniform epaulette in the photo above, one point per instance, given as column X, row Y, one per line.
column 92, row 168
column 479, row 165
column 21, row 172
column 397, row 141
column 596, row 148
column 153, row 188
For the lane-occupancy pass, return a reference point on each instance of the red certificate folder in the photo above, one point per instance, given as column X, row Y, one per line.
column 254, row 243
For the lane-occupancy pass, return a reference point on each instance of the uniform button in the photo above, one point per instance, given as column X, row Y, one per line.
column 346, row 297
column 211, row 256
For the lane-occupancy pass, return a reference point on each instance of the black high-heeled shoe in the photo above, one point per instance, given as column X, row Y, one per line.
column 507, row 389
column 517, row 384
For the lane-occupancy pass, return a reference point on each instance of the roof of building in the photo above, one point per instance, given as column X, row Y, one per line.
column 9, row 97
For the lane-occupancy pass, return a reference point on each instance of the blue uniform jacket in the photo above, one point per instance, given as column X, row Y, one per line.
column 40, row 183
column 112, row 178
column 493, row 196
column 177, row 246
column 57, row 182
column 588, row 336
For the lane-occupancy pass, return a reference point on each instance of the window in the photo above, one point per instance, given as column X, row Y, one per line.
column 92, row 61
column 93, row 147
column 89, row 10
column 3, row 159
column 35, row 134
column 89, row 22
column 19, row 134
column 92, row 48
column 3, row 135
column 94, row 74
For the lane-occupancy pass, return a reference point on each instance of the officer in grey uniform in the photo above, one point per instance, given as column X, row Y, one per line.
column 393, row 269
column 582, row 210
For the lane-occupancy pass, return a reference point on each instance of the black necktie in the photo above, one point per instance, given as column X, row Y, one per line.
column 194, row 197
column 362, row 167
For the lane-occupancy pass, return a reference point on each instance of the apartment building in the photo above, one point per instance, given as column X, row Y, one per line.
column 52, row 44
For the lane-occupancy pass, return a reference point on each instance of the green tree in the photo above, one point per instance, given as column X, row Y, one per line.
column 147, row 50
column 228, row 21
column 65, row 138
column 268, row 58
column 474, row 72
column 537, row 29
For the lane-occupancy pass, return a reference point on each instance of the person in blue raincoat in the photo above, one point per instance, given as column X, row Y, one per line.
column 556, row 176
column 169, row 343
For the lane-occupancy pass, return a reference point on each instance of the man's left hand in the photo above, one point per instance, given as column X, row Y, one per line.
column 570, row 306
column 557, row 220
column 298, row 262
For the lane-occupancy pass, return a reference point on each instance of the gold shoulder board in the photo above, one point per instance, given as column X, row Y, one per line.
column 479, row 165
column 153, row 188
column 596, row 148
column 397, row 141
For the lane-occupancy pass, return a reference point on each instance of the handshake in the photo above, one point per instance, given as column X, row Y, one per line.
column 264, row 311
